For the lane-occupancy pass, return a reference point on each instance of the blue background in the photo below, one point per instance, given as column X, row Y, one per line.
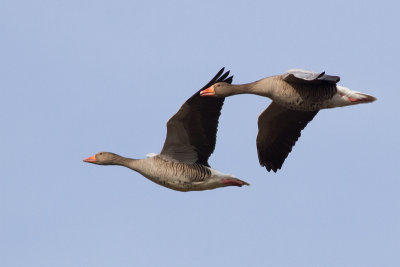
column 79, row 77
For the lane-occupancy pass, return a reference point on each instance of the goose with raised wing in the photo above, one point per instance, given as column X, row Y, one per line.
column 191, row 136
column 297, row 96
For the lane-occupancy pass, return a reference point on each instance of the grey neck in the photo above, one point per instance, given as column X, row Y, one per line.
column 126, row 162
column 262, row 87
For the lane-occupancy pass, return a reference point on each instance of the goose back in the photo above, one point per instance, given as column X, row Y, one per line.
column 304, row 96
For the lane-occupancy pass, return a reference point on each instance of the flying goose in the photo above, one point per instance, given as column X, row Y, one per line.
column 182, row 164
column 297, row 96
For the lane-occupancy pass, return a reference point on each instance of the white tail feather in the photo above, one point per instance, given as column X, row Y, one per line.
column 345, row 97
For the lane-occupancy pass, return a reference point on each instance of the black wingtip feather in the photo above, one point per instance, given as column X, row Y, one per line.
column 229, row 79
column 224, row 76
column 217, row 78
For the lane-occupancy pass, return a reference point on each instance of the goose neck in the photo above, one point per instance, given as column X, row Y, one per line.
column 260, row 87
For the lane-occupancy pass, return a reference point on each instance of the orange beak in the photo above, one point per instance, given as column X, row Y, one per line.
column 207, row 92
column 91, row 159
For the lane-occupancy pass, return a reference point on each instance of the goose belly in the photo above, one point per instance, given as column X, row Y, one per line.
column 174, row 175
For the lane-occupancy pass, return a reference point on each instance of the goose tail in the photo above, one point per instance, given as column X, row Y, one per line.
column 347, row 97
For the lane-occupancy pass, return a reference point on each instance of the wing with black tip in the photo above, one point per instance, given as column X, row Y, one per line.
column 192, row 131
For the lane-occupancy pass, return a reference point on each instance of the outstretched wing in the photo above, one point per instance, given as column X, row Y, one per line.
column 305, row 76
column 192, row 131
column 278, row 130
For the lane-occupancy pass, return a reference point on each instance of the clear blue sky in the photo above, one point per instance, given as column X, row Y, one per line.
column 79, row 77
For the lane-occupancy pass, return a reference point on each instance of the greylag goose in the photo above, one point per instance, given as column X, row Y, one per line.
column 297, row 96
column 183, row 162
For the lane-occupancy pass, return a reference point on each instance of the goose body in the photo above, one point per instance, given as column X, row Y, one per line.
column 182, row 164
column 297, row 96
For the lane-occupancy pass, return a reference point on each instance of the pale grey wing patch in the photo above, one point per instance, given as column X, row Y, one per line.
column 306, row 76
column 184, row 154
column 177, row 145
column 303, row 74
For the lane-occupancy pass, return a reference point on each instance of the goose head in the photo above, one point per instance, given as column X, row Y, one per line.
column 103, row 158
column 221, row 89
